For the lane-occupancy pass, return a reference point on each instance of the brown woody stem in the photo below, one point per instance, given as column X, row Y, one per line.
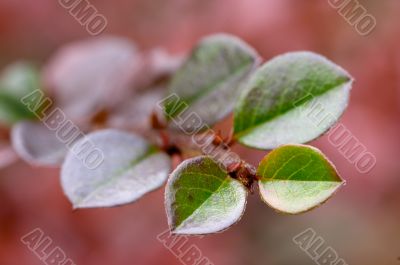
column 243, row 172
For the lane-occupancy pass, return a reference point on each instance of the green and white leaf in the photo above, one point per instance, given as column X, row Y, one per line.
column 297, row 178
column 16, row 81
column 208, row 82
column 130, row 168
column 294, row 98
column 202, row 198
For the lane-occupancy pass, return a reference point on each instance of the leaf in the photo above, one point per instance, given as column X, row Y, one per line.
column 135, row 112
column 130, row 168
column 208, row 82
column 16, row 81
column 38, row 145
column 202, row 198
column 160, row 63
column 87, row 76
column 297, row 178
column 281, row 98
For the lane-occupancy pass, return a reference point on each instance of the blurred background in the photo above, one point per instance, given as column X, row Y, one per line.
column 361, row 222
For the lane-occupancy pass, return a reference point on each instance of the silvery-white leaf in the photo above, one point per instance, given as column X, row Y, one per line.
column 38, row 145
column 162, row 63
column 130, row 168
column 89, row 75
column 136, row 111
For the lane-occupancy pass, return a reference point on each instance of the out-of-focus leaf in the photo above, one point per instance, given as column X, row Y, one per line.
column 131, row 167
column 208, row 82
column 280, row 99
column 297, row 178
column 38, row 145
column 202, row 198
column 135, row 112
column 20, row 79
column 17, row 81
column 87, row 76
column 160, row 64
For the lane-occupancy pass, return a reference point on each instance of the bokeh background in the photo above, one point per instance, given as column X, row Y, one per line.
column 361, row 222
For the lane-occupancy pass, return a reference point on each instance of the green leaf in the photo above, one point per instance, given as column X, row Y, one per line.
column 297, row 178
column 13, row 110
column 283, row 99
column 202, row 198
column 208, row 82
column 130, row 168
column 17, row 81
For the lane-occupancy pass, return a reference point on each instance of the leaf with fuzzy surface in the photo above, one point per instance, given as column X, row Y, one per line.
column 135, row 112
column 211, row 77
column 38, row 145
column 131, row 167
column 87, row 76
column 202, row 198
column 297, row 178
column 280, row 103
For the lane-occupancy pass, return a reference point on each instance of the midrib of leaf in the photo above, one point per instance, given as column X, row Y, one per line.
column 264, row 180
column 262, row 122
column 223, row 182
column 152, row 150
column 293, row 173
column 206, row 90
column 274, row 178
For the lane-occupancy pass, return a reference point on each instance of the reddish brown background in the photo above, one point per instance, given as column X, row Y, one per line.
column 361, row 222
